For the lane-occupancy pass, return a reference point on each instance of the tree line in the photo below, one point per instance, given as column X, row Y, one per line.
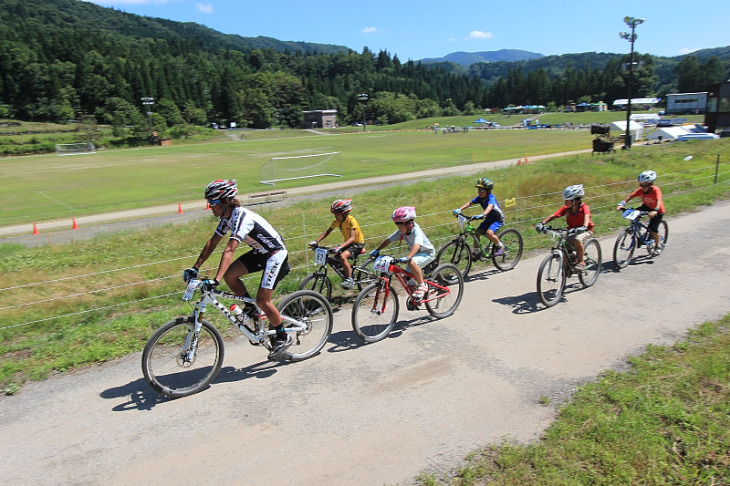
column 63, row 59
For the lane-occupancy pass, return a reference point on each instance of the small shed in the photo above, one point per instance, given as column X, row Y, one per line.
column 667, row 133
column 637, row 131
column 320, row 119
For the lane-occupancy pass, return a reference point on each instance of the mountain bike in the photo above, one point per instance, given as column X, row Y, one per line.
column 376, row 307
column 634, row 236
column 459, row 252
column 560, row 264
column 185, row 355
column 320, row 282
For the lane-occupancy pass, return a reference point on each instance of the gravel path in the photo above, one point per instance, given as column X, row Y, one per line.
column 372, row 414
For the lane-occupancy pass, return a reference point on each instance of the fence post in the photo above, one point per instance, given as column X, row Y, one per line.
column 717, row 167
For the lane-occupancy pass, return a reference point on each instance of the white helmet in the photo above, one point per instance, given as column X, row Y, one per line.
column 573, row 192
column 221, row 189
column 647, row 176
column 404, row 214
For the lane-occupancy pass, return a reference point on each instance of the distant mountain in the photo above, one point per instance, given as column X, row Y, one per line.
column 466, row 59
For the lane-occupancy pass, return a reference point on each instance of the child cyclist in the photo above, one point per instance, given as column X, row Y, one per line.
column 354, row 241
column 577, row 215
column 651, row 201
column 492, row 214
column 421, row 252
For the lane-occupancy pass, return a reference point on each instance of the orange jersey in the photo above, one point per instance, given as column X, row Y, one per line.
column 576, row 220
column 652, row 199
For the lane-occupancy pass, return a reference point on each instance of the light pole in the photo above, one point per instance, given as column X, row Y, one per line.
column 631, row 22
column 364, row 100
column 148, row 101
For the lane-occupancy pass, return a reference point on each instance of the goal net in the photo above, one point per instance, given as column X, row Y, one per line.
column 278, row 169
column 75, row 148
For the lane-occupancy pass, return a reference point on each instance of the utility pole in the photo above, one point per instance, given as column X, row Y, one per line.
column 631, row 22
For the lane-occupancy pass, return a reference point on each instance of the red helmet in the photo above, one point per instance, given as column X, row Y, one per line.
column 341, row 206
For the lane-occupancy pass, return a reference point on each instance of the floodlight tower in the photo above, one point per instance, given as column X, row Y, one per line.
column 148, row 101
column 364, row 100
column 631, row 22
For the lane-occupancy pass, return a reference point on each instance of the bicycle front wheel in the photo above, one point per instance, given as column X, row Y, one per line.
column 166, row 362
column 314, row 311
column 317, row 282
column 443, row 300
column 375, row 312
column 624, row 248
column 593, row 259
column 551, row 279
column 458, row 253
column 511, row 250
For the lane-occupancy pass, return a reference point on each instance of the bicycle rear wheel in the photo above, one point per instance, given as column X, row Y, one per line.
column 551, row 279
column 165, row 364
column 313, row 310
column 663, row 237
column 593, row 258
column 318, row 282
column 374, row 313
column 440, row 302
column 456, row 252
column 624, row 248
column 511, row 250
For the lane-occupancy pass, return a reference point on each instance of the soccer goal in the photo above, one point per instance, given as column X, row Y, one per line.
column 75, row 148
column 278, row 169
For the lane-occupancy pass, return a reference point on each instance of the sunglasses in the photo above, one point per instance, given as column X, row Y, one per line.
column 213, row 202
column 644, row 185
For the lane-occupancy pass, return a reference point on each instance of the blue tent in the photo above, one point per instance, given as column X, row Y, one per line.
column 481, row 120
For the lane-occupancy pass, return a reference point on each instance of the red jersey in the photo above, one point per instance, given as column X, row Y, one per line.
column 576, row 220
column 652, row 199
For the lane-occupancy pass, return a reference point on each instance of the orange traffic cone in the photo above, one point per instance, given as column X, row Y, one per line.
column 207, row 205
column 74, row 226
column 519, row 161
column 525, row 159
column 35, row 229
column 179, row 208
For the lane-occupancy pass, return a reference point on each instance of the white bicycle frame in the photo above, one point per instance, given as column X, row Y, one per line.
column 208, row 297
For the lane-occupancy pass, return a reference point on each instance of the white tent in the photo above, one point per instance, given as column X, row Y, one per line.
column 667, row 133
column 637, row 131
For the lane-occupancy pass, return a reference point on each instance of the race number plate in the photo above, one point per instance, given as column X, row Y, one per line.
column 190, row 289
column 631, row 214
column 382, row 264
column 462, row 222
column 320, row 256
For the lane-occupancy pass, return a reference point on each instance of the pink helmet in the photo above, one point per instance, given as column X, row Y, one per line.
column 404, row 214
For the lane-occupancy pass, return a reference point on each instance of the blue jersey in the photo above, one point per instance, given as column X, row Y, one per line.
column 496, row 210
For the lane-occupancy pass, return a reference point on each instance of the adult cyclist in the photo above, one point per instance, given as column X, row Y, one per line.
column 268, row 253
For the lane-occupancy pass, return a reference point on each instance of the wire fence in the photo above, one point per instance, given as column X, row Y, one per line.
column 521, row 211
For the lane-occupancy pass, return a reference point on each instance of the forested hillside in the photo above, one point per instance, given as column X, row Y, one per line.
column 65, row 59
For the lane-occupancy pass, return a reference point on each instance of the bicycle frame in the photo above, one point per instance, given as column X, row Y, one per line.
column 323, row 257
column 402, row 275
column 466, row 229
column 637, row 226
column 208, row 296
column 561, row 247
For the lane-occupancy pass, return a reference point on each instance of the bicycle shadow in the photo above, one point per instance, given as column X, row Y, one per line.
column 143, row 398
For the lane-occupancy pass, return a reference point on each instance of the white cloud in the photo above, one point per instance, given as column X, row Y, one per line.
column 369, row 30
column 478, row 34
column 208, row 9
column 688, row 50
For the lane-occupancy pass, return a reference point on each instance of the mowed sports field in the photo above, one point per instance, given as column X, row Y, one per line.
column 46, row 188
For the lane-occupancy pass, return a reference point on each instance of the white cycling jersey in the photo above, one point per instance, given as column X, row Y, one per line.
column 248, row 227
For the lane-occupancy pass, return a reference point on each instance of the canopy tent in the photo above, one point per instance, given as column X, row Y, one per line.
column 481, row 120
column 636, row 101
column 667, row 133
column 637, row 131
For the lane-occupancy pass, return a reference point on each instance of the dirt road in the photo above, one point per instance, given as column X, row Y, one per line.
column 375, row 414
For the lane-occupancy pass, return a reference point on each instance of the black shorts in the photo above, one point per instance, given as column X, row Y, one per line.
column 355, row 249
column 275, row 267
column 653, row 222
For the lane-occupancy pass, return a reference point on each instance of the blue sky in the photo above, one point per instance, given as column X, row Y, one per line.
column 433, row 28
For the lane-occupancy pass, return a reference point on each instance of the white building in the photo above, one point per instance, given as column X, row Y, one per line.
column 667, row 133
column 687, row 102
